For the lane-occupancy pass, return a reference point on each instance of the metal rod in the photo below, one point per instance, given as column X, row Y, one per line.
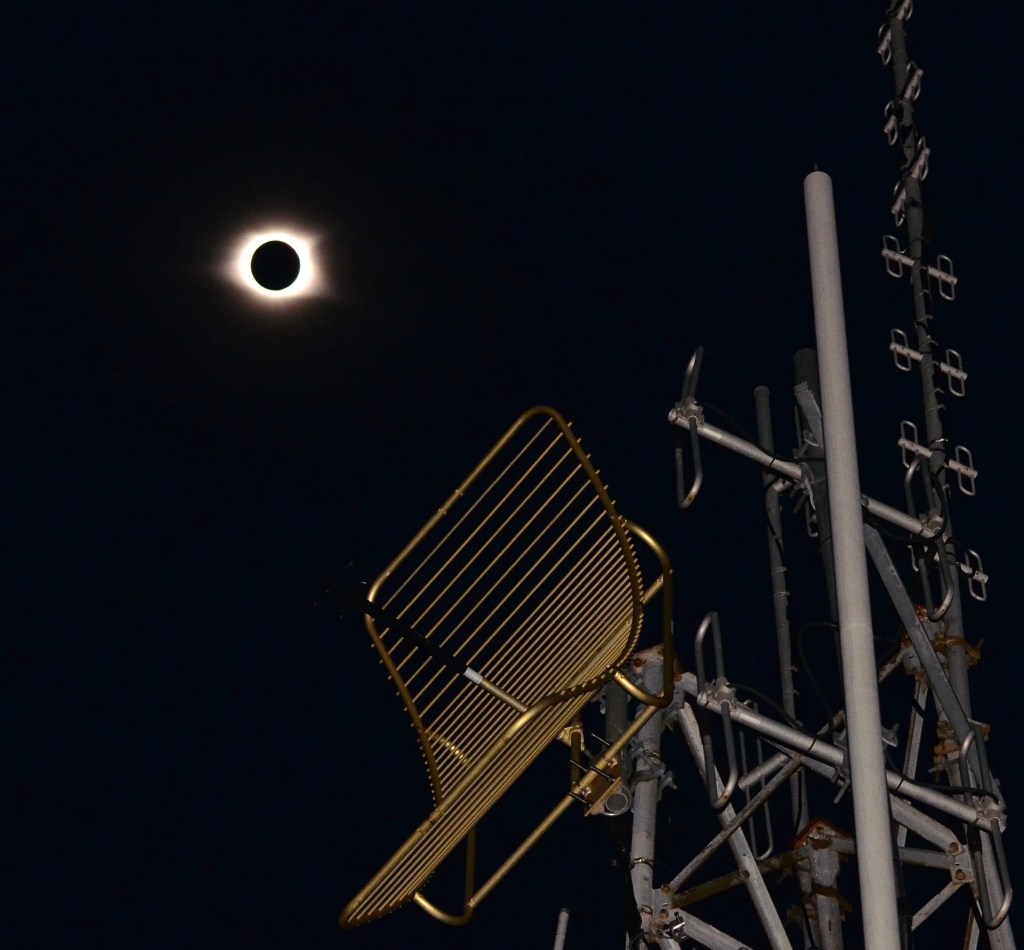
column 823, row 861
column 911, row 144
column 563, row 927
column 780, row 593
column 935, row 903
column 913, row 744
column 728, row 829
column 991, row 919
column 827, row 754
column 808, row 397
column 566, row 802
column 867, row 764
column 647, row 768
column 717, row 800
column 791, row 471
column 919, row 857
column 725, row 882
column 945, row 695
column 745, row 861
column 705, row 934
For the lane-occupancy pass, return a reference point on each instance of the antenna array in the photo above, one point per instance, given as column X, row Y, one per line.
column 745, row 746
column 933, row 648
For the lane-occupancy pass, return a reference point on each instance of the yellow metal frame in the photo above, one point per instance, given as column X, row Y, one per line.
column 462, row 798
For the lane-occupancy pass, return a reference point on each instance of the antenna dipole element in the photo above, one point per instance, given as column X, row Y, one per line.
column 867, row 765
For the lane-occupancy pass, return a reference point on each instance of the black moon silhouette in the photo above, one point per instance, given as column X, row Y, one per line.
column 275, row 265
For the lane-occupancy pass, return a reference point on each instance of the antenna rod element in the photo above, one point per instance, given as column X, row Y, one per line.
column 867, row 764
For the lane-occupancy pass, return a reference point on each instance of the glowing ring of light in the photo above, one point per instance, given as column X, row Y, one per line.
column 305, row 282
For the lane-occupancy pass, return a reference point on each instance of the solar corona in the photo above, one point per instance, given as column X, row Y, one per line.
column 276, row 264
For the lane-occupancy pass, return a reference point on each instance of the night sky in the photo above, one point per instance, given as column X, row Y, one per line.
column 509, row 206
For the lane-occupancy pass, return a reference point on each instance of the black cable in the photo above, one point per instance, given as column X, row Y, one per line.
column 948, row 789
column 806, row 667
column 734, row 425
column 909, row 540
column 940, row 493
column 922, row 712
column 768, row 701
column 620, row 830
column 355, row 596
column 803, row 911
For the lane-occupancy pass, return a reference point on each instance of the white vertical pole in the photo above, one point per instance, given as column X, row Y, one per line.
column 867, row 764
column 563, row 928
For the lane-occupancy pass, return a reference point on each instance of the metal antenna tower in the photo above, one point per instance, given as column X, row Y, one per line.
column 933, row 648
column 497, row 649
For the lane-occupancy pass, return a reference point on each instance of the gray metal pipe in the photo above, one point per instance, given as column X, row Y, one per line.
column 563, row 927
column 780, row 593
column 745, row 860
column 860, row 685
column 790, row 470
column 647, row 759
column 833, row 758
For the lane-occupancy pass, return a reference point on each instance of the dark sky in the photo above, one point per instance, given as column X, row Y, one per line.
column 515, row 205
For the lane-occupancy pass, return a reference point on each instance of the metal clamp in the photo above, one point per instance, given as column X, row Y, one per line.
column 710, row 621
column 945, row 571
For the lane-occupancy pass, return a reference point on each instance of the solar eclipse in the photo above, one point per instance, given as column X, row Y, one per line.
column 276, row 264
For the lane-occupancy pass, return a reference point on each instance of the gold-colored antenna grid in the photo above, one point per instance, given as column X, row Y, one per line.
column 528, row 577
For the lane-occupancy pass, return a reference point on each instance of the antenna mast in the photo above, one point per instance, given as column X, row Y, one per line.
column 509, row 559
column 933, row 650
column 962, row 758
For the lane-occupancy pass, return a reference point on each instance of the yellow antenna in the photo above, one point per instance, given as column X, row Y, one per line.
column 498, row 622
